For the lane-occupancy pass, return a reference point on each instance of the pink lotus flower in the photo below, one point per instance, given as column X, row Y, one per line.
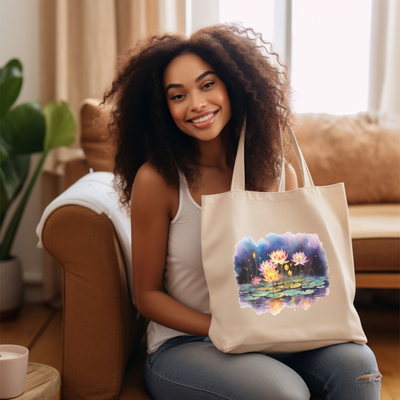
column 256, row 280
column 266, row 265
column 271, row 276
column 279, row 257
column 299, row 258
column 270, row 273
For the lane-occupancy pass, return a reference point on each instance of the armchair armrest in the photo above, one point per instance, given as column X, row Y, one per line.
column 101, row 328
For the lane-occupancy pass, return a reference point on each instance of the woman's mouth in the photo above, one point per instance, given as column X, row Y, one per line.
column 204, row 121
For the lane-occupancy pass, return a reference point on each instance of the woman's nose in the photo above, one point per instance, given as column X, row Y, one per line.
column 198, row 102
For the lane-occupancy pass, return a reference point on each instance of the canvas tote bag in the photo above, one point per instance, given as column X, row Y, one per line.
column 279, row 265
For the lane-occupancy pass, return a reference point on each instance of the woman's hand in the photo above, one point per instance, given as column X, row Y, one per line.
column 153, row 204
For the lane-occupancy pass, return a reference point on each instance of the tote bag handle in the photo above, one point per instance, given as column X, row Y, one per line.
column 238, row 178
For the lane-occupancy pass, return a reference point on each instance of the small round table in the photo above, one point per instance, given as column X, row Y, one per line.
column 42, row 382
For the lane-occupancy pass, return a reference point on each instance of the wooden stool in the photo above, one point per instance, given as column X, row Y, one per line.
column 42, row 382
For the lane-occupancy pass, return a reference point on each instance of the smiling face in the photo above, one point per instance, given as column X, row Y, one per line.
column 197, row 99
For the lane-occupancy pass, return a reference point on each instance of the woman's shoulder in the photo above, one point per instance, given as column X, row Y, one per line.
column 151, row 190
column 148, row 176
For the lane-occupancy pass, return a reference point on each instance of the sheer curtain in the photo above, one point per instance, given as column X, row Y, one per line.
column 79, row 42
column 384, row 95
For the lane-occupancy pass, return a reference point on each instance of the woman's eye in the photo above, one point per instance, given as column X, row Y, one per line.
column 177, row 97
column 208, row 85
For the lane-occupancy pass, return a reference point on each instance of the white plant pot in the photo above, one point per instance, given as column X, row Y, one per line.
column 11, row 288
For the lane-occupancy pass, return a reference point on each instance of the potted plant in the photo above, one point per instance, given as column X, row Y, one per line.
column 25, row 130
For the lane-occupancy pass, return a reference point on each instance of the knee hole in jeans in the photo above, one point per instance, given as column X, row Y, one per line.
column 370, row 377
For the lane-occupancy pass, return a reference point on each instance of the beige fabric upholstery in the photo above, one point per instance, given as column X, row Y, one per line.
column 375, row 221
column 95, row 142
column 375, row 230
column 95, row 139
column 354, row 150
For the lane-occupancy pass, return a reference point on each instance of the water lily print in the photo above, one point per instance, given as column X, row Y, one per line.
column 293, row 272
column 270, row 273
column 279, row 257
column 299, row 258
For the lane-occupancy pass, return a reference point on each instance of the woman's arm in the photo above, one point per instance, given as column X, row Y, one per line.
column 290, row 178
column 151, row 209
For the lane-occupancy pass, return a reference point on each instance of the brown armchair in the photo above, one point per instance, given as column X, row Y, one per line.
column 103, row 354
column 103, row 335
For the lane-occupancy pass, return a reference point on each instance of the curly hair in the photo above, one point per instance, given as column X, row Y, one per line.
column 143, row 128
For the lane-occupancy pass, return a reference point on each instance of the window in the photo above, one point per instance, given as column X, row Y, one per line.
column 328, row 42
column 256, row 14
column 330, row 55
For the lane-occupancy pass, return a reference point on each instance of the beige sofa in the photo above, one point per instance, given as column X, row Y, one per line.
column 365, row 156
column 103, row 345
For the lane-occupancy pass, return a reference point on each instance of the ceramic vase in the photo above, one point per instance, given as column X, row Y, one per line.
column 11, row 288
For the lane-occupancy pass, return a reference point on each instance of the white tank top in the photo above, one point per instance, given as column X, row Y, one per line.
column 184, row 278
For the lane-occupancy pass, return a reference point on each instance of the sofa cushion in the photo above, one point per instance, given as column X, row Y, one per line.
column 375, row 232
column 95, row 139
column 376, row 255
column 353, row 149
column 375, row 221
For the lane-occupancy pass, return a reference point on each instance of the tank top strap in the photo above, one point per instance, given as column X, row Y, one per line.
column 184, row 191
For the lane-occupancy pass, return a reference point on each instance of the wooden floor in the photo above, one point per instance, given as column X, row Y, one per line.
column 39, row 329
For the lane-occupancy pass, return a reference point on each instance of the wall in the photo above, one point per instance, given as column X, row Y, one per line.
column 19, row 38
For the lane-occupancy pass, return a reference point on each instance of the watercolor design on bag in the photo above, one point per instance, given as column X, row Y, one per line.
column 289, row 270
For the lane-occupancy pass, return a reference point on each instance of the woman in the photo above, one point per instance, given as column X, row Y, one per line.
column 179, row 105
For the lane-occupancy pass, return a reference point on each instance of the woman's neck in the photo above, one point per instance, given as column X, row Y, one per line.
column 213, row 154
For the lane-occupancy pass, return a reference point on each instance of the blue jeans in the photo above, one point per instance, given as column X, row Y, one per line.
column 191, row 367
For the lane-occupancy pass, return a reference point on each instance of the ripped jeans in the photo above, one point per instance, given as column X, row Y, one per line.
column 191, row 367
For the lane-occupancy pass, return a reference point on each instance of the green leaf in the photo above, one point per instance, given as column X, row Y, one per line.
column 5, row 148
column 60, row 125
column 13, row 174
column 10, row 85
column 4, row 203
column 291, row 292
column 14, row 63
column 22, row 130
column 12, row 228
